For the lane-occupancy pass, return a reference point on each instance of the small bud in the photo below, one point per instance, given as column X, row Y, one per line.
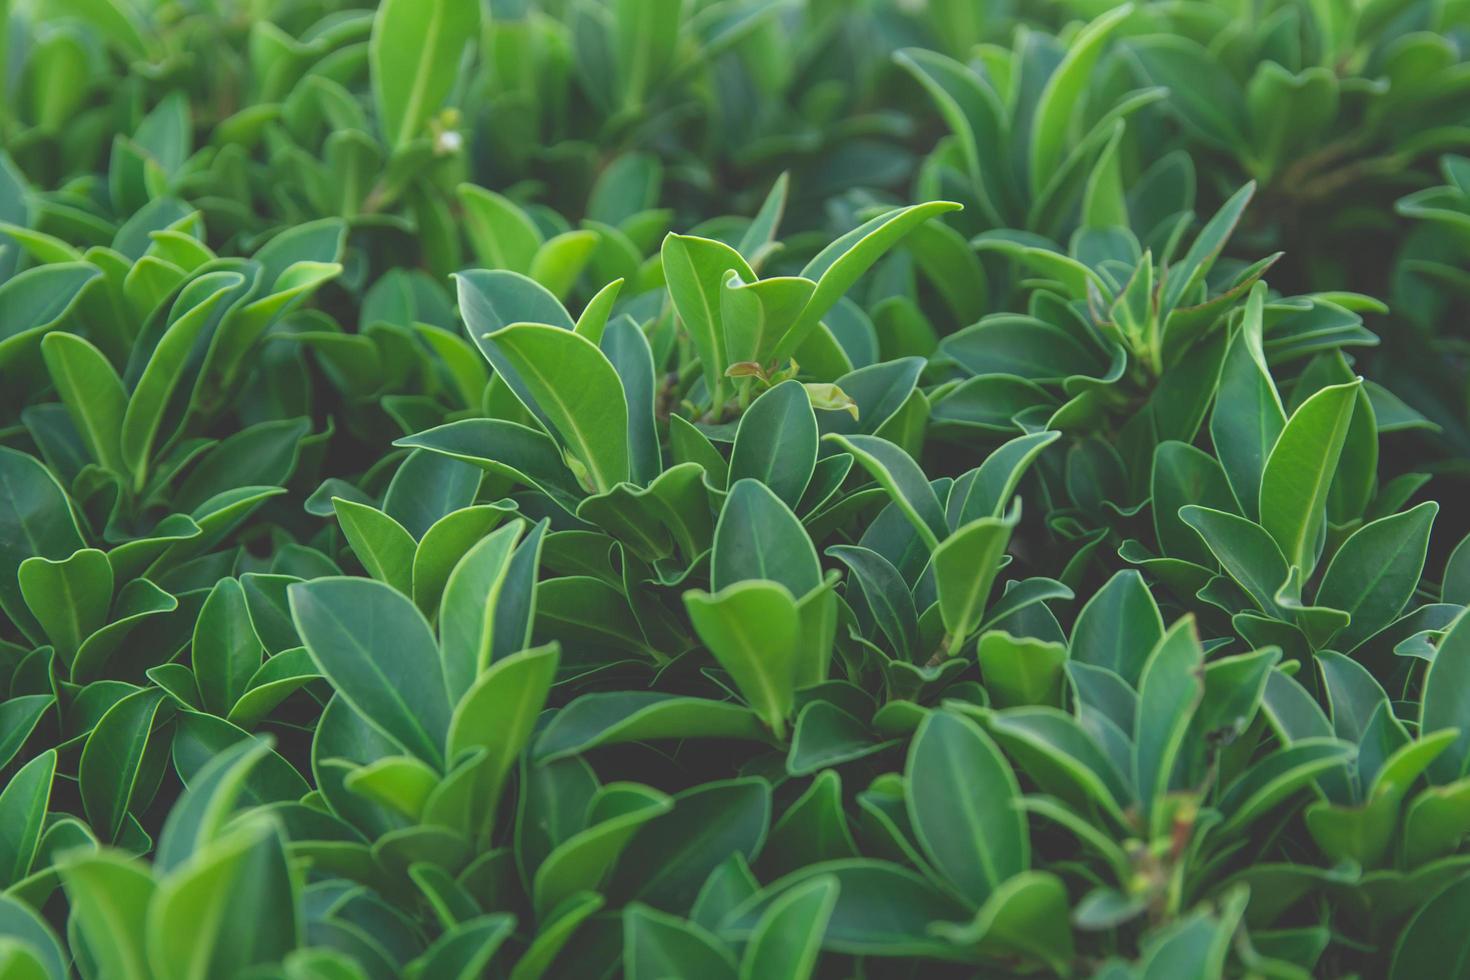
column 831, row 398
column 745, row 369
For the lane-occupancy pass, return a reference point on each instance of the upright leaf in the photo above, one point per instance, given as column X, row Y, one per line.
column 1299, row 472
column 373, row 644
column 577, row 388
column 414, row 57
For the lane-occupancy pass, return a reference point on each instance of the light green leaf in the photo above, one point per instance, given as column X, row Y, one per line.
column 576, row 387
column 414, row 56
column 1299, row 472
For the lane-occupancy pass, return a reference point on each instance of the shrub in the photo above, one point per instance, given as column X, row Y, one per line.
column 732, row 488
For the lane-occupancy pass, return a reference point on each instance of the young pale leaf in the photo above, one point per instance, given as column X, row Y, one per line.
column 1021, row 670
column 755, row 315
column 384, row 546
column 467, row 609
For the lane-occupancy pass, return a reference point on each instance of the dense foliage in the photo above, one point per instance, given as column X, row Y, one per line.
column 734, row 489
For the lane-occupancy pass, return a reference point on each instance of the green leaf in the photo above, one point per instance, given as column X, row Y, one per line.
column 501, row 233
column 35, row 521
column 231, row 907
column 752, row 629
column 1375, row 572
column 1118, row 627
column 787, row 938
column 695, row 270
column 584, row 860
column 882, row 909
column 36, row 300
column 1183, row 475
column 427, row 487
column 838, row 266
column 965, row 565
column 225, row 651
column 1248, row 415
column 414, row 56
column 758, row 537
column 191, row 314
column 1201, row 256
column 465, row 950
column 776, row 442
column 467, row 608
column 92, row 392
column 1244, row 550
column 990, row 490
column 1021, row 670
column 1445, row 702
column 595, row 314
column 110, row 894
column 887, row 596
column 30, row 934
column 112, row 758
column 497, row 714
column 1299, row 472
column 1433, row 942
column 561, row 260
column 69, row 598
column 447, row 541
column 670, row 857
column 1168, row 690
column 1066, row 761
column 1051, row 124
column 1026, row 916
column 645, row 39
column 756, row 315
column 19, row 716
column 657, row 945
column 384, row 546
column 397, row 781
column 896, row 472
column 616, row 717
column 581, row 397
column 378, row 652
column 23, row 805
column 961, row 800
